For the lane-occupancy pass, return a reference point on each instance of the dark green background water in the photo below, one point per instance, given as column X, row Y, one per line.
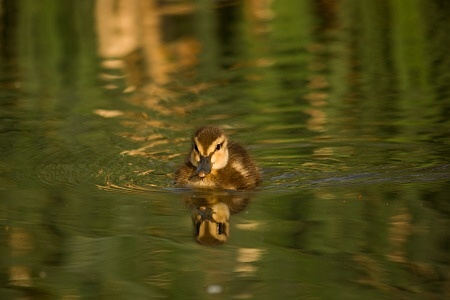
column 344, row 104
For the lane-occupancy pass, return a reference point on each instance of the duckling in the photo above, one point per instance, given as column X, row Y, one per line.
column 215, row 162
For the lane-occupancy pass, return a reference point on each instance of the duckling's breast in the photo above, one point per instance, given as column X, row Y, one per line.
column 202, row 182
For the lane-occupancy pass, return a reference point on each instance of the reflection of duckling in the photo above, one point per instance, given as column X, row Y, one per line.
column 211, row 223
column 215, row 162
column 211, row 213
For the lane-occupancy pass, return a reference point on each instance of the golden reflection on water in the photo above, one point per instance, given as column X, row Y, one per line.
column 246, row 257
column 372, row 272
column 127, row 26
column 131, row 38
column 128, row 188
column 399, row 232
column 317, row 95
column 20, row 244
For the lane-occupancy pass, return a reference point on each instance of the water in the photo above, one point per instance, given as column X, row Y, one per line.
column 343, row 105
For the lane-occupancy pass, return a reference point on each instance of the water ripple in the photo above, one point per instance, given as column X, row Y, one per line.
column 279, row 180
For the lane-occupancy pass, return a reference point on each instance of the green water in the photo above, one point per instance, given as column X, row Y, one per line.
column 343, row 104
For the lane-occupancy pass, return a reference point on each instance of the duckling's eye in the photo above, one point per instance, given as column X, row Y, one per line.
column 219, row 146
column 220, row 228
column 195, row 147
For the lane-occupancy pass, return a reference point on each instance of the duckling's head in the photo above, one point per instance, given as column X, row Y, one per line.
column 209, row 150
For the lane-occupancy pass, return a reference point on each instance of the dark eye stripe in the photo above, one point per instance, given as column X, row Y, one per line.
column 195, row 147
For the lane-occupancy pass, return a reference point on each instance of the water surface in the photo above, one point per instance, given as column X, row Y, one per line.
column 345, row 107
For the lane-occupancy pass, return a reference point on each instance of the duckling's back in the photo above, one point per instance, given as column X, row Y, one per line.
column 241, row 173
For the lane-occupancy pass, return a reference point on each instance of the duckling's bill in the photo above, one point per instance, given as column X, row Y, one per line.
column 204, row 166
